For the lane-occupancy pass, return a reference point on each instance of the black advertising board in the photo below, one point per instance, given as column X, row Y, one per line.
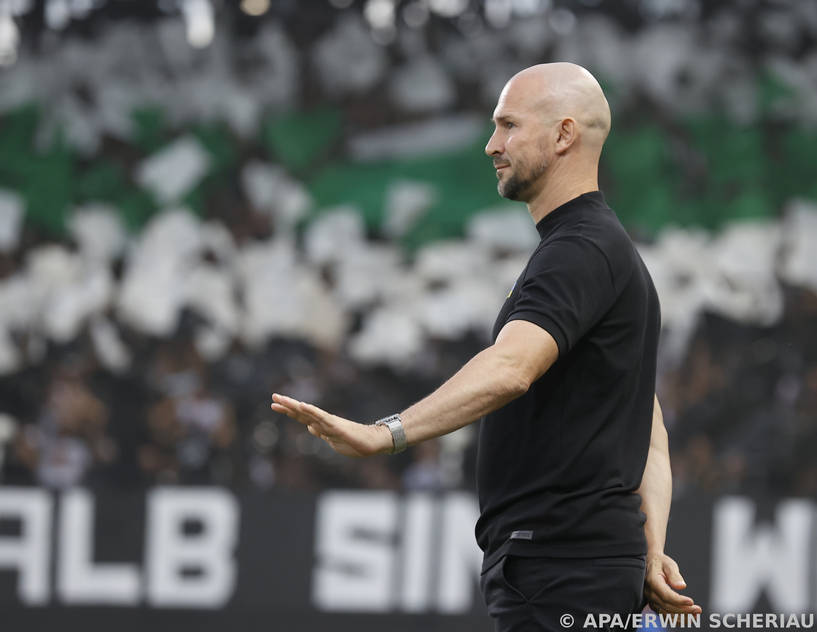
column 186, row 558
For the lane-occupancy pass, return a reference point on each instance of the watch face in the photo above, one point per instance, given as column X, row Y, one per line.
column 387, row 420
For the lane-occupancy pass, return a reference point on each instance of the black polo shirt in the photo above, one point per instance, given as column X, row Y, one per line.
column 557, row 468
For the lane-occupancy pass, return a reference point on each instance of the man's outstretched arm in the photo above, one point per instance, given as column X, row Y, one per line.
column 663, row 578
column 492, row 378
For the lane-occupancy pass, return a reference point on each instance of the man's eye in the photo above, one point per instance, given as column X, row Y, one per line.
column 509, row 125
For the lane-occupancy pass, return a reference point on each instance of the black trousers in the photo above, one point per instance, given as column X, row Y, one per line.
column 535, row 594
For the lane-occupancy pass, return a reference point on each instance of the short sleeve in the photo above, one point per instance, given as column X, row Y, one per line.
column 567, row 288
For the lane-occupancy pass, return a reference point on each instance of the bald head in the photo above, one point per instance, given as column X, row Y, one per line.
column 563, row 90
column 551, row 122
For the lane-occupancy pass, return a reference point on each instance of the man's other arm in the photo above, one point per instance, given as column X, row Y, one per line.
column 663, row 578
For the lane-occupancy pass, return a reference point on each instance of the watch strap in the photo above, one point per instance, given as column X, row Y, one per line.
column 398, row 434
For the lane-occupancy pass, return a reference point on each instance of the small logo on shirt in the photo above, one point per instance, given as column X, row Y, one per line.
column 512, row 289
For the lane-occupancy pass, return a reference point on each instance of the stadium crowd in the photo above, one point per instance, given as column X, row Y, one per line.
column 149, row 358
column 738, row 403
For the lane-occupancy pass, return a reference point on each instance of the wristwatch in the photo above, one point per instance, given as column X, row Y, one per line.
column 398, row 435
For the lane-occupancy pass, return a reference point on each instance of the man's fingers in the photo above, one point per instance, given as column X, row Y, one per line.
column 278, row 408
column 290, row 411
column 673, row 574
column 337, row 432
column 318, row 422
column 662, row 577
column 290, row 406
column 286, row 402
column 317, row 413
column 664, row 599
column 299, row 411
column 314, row 430
column 668, row 595
column 662, row 606
column 688, row 610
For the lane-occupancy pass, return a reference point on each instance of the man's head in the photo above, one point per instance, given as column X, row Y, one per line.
column 549, row 118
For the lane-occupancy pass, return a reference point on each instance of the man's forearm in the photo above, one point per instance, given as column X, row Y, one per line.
column 656, row 486
column 487, row 382
column 521, row 354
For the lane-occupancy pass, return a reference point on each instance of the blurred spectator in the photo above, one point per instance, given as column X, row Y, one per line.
column 190, row 429
column 69, row 437
column 424, row 473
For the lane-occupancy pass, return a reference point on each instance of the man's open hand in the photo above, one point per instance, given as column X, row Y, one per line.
column 661, row 582
column 346, row 437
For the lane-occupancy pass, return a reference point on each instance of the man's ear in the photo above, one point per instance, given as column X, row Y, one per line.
column 566, row 135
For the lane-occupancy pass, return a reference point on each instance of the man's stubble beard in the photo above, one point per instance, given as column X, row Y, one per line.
column 517, row 185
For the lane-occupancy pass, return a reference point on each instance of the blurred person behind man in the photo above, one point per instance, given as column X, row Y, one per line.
column 191, row 429
column 70, row 435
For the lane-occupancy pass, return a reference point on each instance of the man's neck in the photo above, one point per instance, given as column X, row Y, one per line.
column 557, row 190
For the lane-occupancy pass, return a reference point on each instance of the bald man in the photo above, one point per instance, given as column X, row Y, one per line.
column 573, row 470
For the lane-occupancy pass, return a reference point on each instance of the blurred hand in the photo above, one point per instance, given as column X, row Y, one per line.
column 661, row 582
column 343, row 435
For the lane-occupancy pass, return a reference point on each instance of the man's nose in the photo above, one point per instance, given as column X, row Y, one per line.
column 493, row 147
